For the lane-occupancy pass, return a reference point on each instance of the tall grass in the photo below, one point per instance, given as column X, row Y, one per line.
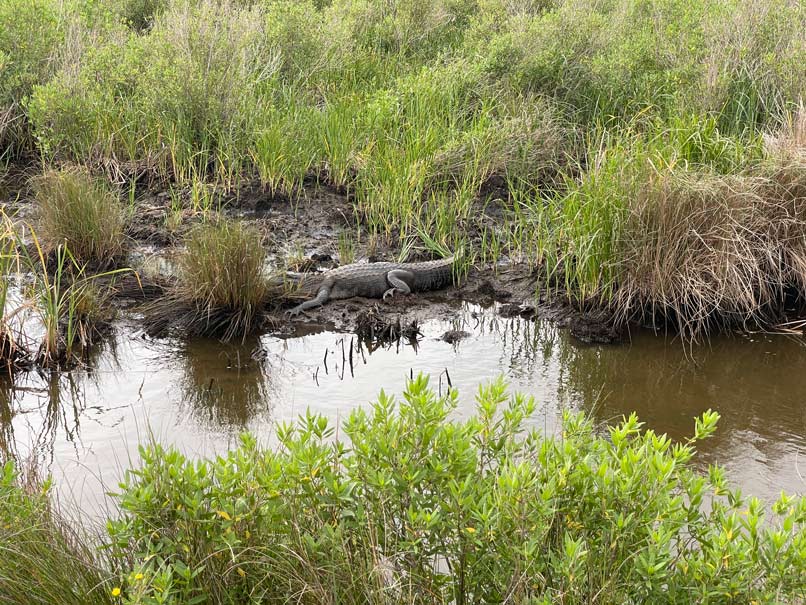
column 70, row 307
column 78, row 211
column 686, row 227
column 10, row 352
column 419, row 111
column 222, row 285
column 44, row 557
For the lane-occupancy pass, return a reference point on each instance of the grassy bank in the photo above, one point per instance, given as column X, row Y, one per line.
column 610, row 142
column 403, row 504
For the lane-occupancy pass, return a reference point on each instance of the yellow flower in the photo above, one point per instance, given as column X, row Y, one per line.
column 470, row 530
column 224, row 515
column 241, row 572
column 116, row 591
column 138, row 576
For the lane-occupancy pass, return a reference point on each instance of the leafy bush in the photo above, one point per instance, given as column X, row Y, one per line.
column 419, row 507
column 30, row 32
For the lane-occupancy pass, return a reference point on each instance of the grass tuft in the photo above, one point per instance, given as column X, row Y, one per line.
column 222, row 285
column 44, row 557
column 80, row 212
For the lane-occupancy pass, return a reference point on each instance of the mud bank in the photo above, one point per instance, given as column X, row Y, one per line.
column 318, row 231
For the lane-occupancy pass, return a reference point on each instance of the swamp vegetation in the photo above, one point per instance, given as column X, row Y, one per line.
column 407, row 505
column 642, row 158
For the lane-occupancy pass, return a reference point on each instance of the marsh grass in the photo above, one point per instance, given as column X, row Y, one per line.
column 11, row 354
column 45, row 558
column 687, row 227
column 221, row 285
column 77, row 210
column 420, row 111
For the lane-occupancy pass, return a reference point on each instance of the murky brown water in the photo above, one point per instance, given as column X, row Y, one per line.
column 85, row 425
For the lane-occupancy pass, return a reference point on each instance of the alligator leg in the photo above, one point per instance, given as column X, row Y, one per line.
column 321, row 298
column 396, row 278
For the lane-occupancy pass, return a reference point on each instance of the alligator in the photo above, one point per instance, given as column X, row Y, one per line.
column 379, row 280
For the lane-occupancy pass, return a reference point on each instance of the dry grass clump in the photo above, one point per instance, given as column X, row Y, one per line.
column 78, row 210
column 704, row 250
column 221, row 286
column 688, row 228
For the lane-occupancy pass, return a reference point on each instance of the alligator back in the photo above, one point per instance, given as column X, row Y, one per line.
column 370, row 279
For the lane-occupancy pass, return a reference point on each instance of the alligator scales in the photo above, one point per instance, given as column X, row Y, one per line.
column 379, row 280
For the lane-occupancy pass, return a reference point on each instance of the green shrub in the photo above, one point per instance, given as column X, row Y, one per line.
column 78, row 210
column 602, row 60
column 140, row 14
column 30, row 32
column 418, row 507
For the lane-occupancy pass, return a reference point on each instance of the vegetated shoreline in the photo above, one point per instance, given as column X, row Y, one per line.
column 653, row 156
column 313, row 232
column 409, row 505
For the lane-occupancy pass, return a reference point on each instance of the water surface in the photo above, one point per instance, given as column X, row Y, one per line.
column 84, row 425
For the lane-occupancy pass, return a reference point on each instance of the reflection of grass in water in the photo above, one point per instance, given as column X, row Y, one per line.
column 752, row 384
column 224, row 384
column 61, row 401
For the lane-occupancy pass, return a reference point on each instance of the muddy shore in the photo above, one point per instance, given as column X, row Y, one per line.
column 304, row 234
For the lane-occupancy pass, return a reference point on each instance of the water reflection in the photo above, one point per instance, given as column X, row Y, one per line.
column 755, row 382
column 51, row 403
column 224, row 385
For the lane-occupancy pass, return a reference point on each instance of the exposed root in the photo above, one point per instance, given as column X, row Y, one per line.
column 377, row 330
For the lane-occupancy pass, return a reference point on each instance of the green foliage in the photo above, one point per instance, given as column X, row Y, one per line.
column 80, row 211
column 43, row 559
column 408, row 28
column 29, row 34
column 426, row 113
column 140, row 14
column 418, row 507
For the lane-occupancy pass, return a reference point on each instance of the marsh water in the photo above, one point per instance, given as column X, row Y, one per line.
column 84, row 426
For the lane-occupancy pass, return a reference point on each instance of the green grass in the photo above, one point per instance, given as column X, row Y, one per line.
column 685, row 226
column 78, row 211
column 222, row 285
column 44, row 557
column 415, row 108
